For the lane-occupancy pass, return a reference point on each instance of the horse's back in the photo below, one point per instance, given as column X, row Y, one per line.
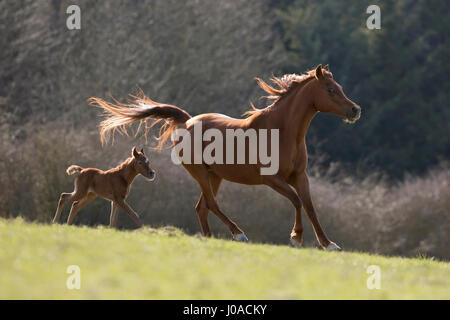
column 216, row 121
column 240, row 173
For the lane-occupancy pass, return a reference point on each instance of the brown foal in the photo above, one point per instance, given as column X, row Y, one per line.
column 113, row 185
column 296, row 101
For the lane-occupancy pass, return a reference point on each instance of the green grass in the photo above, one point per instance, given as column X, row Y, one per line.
column 167, row 264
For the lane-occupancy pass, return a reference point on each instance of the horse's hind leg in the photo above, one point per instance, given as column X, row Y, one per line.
column 202, row 208
column 200, row 173
column 77, row 205
column 79, row 193
column 63, row 199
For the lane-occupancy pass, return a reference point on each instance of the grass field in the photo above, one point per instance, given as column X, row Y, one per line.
column 167, row 264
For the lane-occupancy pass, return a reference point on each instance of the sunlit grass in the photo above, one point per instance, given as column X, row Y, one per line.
column 166, row 264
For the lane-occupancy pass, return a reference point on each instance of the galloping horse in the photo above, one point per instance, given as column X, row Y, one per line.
column 113, row 185
column 296, row 101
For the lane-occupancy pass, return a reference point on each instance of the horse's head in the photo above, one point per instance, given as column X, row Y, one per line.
column 142, row 164
column 329, row 96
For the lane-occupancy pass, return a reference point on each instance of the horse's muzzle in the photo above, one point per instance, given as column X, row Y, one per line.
column 151, row 175
column 353, row 114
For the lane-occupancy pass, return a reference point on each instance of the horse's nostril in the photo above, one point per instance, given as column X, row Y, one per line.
column 354, row 109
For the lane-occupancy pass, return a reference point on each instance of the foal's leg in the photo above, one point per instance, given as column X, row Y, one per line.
column 133, row 215
column 77, row 205
column 200, row 173
column 63, row 199
column 280, row 185
column 202, row 208
column 114, row 215
column 301, row 185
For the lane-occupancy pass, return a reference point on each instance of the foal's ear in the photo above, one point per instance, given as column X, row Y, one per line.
column 327, row 67
column 135, row 153
column 319, row 74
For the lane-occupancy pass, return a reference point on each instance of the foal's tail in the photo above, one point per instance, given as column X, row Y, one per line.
column 141, row 108
column 73, row 169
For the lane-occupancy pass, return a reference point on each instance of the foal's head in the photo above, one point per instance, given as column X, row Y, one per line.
column 142, row 164
column 330, row 98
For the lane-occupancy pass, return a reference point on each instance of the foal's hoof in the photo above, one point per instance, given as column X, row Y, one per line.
column 333, row 247
column 240, row 237
column 295, row 242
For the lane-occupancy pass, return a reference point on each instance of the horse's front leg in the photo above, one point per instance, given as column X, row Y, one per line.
column 297, row 230
column 301, row 184
column 280, row 185
column 128, row 210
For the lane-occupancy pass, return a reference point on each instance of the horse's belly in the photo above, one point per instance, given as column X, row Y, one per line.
column 239, row 173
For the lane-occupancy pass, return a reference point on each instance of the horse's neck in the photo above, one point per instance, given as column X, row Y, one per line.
column 293, row 114
column 127, row 171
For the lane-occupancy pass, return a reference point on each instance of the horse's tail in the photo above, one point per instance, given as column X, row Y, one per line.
column 142, row 109
column 73, row 169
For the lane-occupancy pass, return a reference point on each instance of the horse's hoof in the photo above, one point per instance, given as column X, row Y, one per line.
column 240, row 237
column 295, row 243
column 333, row 247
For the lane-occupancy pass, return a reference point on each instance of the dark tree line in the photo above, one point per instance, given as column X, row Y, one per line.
column 203, row 55
column 398, row 74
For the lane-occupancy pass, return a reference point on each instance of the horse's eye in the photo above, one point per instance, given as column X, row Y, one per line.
column 330, row 90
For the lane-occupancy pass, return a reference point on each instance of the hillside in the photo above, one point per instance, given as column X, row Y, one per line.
column 167, row 264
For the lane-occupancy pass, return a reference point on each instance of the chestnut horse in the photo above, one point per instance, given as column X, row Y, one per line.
column 113, row 185
column 296, row 101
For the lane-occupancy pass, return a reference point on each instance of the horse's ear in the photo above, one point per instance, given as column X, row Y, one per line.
column 327, row 67
column 135, row 153
column 142, row 150
column 319, row 74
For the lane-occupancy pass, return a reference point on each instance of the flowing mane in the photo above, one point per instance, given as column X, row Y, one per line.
column 286, row 84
